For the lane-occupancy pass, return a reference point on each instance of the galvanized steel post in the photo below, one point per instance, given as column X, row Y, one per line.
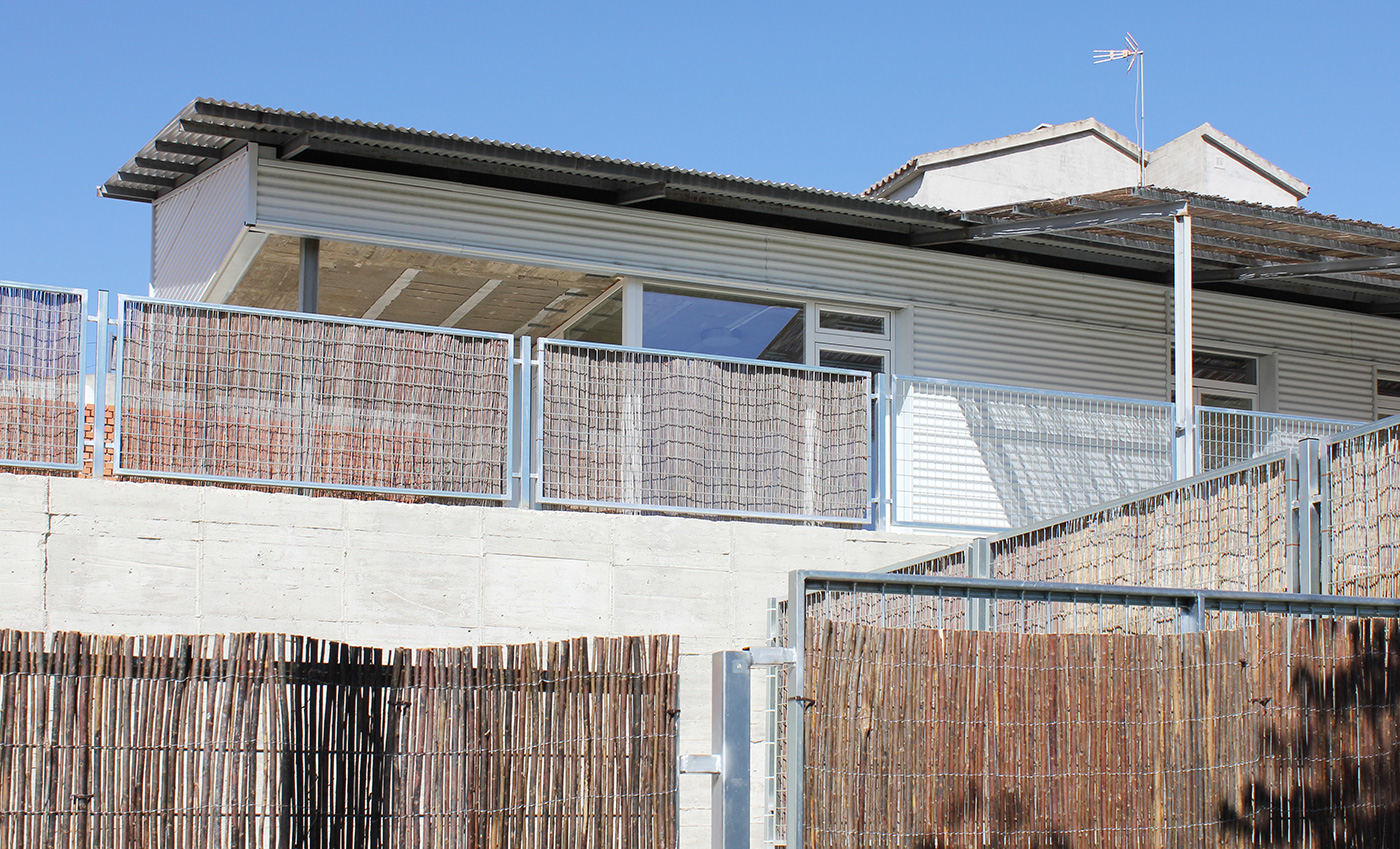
column 729, row 806
column 100, row 367
column 1305, row 513
column 1185, row 453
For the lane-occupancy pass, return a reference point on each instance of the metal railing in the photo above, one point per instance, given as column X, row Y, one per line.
column 655, row 430
column 882, row 667
column 263, row 397
column 1360, row 510
column 1226, row 437
column 43, row 335
column 979, row 457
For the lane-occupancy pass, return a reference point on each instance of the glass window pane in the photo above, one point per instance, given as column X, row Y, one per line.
column 723, row 325
column 1225, row 367
column 851, row 322
column 602, row 324
column 1228, row 402
column 1388, row 387
column 854, row 360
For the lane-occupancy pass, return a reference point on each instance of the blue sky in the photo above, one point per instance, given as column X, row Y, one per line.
column 828, row 95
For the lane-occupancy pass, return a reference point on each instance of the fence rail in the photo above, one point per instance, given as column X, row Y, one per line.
column 979, row 456
column 654, row 430
column 1229, row 437
column 262, row 397
column 276, row 741
column 43, row 335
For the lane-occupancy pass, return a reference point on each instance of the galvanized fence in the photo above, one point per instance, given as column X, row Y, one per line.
column 654, row 430
column 978, row 456
column 275, row 741
column 261, row 397
column 1221, row 718
column 1361, row 510
column 43, row 335
column 1228, row 437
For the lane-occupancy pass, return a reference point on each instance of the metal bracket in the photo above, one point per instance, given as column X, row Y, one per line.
column 700, row 764
column 772, row 655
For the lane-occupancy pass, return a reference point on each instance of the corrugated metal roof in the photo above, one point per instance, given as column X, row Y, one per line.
column 1230, row 234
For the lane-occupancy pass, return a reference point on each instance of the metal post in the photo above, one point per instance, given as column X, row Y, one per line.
column 1185, row 359
column 309, row 277
column 100, row 366
column 1305, row 513
column 730, row 729
column 524, row 437
column 1192, row 618
column 979, row 565
column 880, row 467
column 796, row 710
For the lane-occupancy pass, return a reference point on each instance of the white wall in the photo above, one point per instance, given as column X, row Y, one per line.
column 194, row 228
column 1060, row 167
column 123, row 558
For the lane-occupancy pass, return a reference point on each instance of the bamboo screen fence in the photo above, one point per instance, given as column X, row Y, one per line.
column 1229, row 531
column 665, row 431
column 268, row 398
column 1283, row 732
column 1364, row 473
column 274, row 741
column 41, row 367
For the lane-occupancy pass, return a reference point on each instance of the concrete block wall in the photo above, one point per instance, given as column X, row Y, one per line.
column 105, row 556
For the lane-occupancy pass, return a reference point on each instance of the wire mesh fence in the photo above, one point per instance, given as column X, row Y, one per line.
column 268, row 740
column 261, row 397
column 42, row 334
column 985, row 457
column 1227, row 437
column 629, row 428
column 1363, row 510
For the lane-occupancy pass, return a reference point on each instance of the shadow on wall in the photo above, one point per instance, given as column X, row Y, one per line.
column 1329, row 775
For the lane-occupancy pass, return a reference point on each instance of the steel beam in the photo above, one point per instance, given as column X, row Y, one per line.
column 182, row 149
column 309, row 276
column 147, row 179
column 165, row 165
column 641, row 194
column 1302, row 269
column 1075, row 221
column 291, row 149
column 226, row 131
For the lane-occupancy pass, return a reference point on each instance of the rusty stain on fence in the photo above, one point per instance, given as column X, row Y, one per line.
column 1283, row 732
column 279, row 741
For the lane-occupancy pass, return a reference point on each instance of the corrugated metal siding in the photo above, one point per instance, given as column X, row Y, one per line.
column 194, row 228
column 958, row 345
column 975, row 319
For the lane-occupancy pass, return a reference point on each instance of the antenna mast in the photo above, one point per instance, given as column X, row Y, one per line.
column 1136, row 56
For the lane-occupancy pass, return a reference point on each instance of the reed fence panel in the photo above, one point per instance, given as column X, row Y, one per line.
column 275, row 741
column 41, row 368
column 1283, row 732
column 1364, row 527
column 670, row 432
column 213, row 393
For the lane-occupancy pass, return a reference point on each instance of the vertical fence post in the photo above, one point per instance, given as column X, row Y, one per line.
column 100, row 365
column 729, row 806
column 879, row 453
column 523, row 437
column 1305, row 514
column 979, row 565
column 797, row 711
column 1324, row 515
column 535, row 470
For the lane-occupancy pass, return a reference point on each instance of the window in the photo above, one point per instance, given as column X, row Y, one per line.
column 602, row 323
column 1387, row 395
column 723, row 325
column 1225, row 380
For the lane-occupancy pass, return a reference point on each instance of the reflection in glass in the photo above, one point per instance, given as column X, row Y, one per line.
column 851, row 322
column 602, row 324
column 723, row 325
column 853, row 360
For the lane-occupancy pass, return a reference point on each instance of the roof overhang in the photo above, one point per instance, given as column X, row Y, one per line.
column 1238, row 246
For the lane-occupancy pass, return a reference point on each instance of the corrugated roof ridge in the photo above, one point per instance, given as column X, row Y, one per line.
column 532, row 149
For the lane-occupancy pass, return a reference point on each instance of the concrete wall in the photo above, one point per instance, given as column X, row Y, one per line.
column 123, row 557
column 1063, row 166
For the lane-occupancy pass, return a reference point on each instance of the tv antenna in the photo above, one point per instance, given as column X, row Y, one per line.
column 1137, row 57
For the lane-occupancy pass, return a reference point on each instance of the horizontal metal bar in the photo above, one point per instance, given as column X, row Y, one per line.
column 308, row 484
column 1281, row 417
column 1073, row 593
column 698, row 511
column 34, row 464
column 661, row 352
column 771, row 655
column 61, row 290
column 1035, row 226
column 316, row 317
column 699, row 764
column 1031, row 390
column 1363, row 430
column 1301, row 269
